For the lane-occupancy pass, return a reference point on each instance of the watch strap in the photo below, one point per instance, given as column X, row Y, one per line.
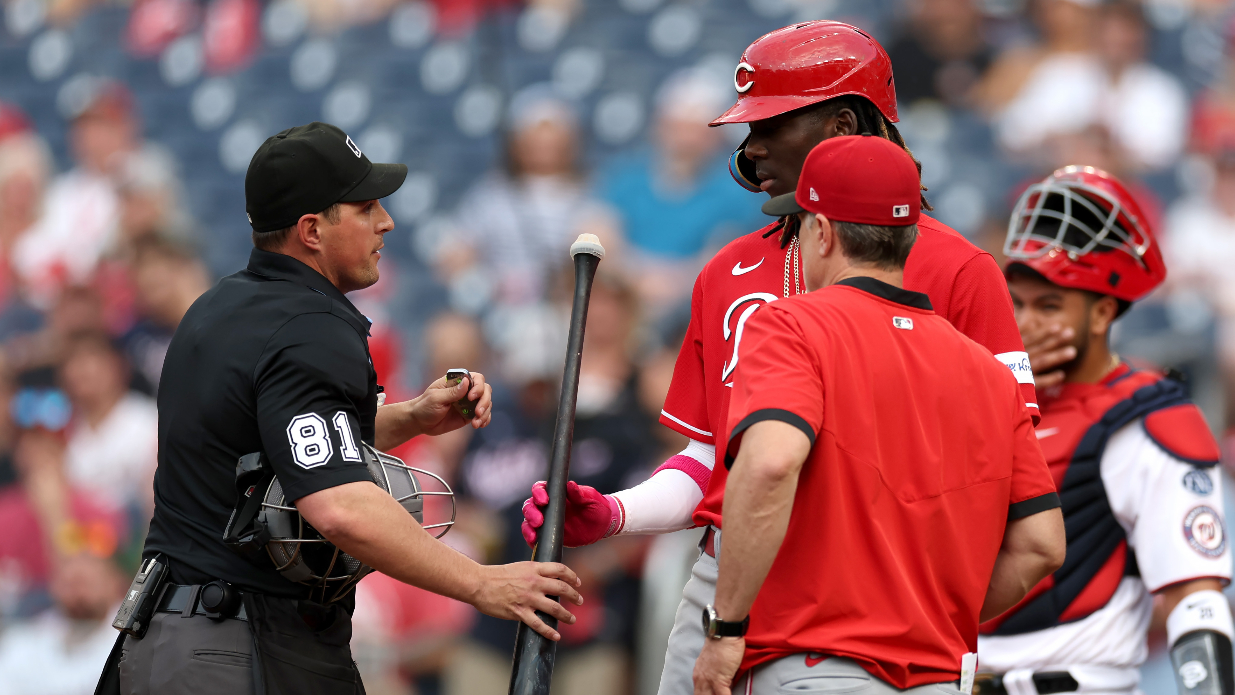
column 716, row 628
column 730, row 628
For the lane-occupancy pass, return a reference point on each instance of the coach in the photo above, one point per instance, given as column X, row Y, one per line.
column 275, row 359
column 886, row 489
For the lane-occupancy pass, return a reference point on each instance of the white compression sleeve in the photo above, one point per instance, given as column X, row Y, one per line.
column 665, row 502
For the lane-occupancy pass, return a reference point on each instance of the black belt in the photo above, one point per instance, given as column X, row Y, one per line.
column 1045, row 682
column 185, row 599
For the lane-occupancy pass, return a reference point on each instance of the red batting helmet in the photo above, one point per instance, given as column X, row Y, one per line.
column 806, row 63
column 1081, row 229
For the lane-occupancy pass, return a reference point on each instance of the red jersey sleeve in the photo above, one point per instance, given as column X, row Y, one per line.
column 686, row 407
column 1033, row 488
column 777, row 378
column 981, row 308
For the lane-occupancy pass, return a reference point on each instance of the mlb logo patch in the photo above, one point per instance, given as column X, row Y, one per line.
column 905, row 324
column 352, row 146
column 813, row 195
column 900, row 211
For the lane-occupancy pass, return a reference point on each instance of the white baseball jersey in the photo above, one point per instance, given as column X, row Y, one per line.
column 1172, row 514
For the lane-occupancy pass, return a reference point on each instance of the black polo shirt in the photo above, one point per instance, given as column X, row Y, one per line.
column 273, row 358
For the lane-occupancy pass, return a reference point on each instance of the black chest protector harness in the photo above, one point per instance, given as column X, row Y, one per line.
column 1088, row 579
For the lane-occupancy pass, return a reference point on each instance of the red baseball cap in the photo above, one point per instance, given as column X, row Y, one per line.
column 855, row 178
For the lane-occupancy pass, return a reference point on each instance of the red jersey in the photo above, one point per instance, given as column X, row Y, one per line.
column 963, row 282
column 922, row 449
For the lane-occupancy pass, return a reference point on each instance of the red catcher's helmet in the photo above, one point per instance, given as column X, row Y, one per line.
column 807, row 63
column 1081, row 229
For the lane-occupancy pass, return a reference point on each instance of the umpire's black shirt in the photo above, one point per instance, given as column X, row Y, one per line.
column 273, row 358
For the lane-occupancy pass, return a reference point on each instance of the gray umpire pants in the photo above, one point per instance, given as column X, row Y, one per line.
column 188, row 656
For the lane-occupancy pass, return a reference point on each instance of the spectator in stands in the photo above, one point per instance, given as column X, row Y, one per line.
column 81, row 208
column 942, row 53
column 43, row 518
column 1200, row 251
column 25, row 167
column 516, row 222
column 62, row 651
column 168, row 278
column 77, row 310
column 151, row 200
column 1213, row 116
column 675, row 201
column 613, row 444
column 1144, row 108
column 1066, row 33
column 113, row 438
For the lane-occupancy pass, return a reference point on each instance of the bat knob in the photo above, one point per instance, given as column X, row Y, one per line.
column 587, row 243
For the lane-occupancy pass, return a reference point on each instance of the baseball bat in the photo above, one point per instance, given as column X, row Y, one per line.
column 534, row 654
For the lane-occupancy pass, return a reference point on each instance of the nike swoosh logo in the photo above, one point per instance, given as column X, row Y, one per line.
column 1043, row 434
column 814, row 659
column 739, row 270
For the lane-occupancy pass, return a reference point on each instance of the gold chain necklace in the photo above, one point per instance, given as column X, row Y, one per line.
column 793, row 252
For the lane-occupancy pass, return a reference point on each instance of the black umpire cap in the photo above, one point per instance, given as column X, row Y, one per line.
column 306, row 169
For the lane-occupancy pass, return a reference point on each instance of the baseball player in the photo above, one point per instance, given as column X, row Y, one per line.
column 868, row 530
column 796, row 86
column 1133, row 459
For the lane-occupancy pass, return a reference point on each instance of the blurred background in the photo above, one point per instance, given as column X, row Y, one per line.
column 126, row 129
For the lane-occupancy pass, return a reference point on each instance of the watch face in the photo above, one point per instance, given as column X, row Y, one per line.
column 709, row 618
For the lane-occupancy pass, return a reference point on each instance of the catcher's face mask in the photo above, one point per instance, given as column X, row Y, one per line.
column 302, row 555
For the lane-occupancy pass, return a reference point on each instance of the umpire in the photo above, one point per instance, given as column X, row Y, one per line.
column 275, row 359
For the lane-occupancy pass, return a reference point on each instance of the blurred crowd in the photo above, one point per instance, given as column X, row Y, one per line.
column 100, row 258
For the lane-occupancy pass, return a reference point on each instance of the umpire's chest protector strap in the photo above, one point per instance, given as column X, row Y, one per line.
column 302, row 647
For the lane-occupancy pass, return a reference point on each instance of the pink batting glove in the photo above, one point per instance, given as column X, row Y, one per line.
column 590, row 516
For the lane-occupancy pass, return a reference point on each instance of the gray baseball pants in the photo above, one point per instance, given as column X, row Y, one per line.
column 832, row 675
column 686, row 639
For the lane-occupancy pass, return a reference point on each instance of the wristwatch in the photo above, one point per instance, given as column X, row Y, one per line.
column 715, row 628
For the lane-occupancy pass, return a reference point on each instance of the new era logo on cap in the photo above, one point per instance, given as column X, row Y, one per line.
column 900, row 211
column 352, row 146
column 813, row 195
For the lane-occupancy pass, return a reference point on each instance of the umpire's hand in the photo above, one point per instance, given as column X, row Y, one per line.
column 516, row 591
column 434, row 411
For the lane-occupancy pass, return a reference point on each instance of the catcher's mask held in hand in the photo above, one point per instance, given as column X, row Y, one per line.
column 302, row 555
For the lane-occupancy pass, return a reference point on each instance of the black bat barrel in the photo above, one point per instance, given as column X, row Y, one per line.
column 534, row 654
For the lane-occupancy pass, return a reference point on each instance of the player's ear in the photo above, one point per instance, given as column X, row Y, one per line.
column 846, row 122
column 1102, row 314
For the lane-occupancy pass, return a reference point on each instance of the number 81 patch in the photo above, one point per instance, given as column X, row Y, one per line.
column 1204, row 530
column 310, row 439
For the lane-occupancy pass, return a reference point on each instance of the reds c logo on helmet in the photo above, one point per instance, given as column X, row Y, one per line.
column 805, row 64
column 1080, row 228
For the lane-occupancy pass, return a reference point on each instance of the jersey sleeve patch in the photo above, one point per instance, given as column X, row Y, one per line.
column 1181, row 431
column 1205, row 532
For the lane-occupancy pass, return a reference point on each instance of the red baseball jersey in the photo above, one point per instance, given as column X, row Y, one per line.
column 963, row 282
column 922, row 450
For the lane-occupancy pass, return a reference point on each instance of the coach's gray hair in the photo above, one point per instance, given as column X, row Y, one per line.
column 872, row 244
